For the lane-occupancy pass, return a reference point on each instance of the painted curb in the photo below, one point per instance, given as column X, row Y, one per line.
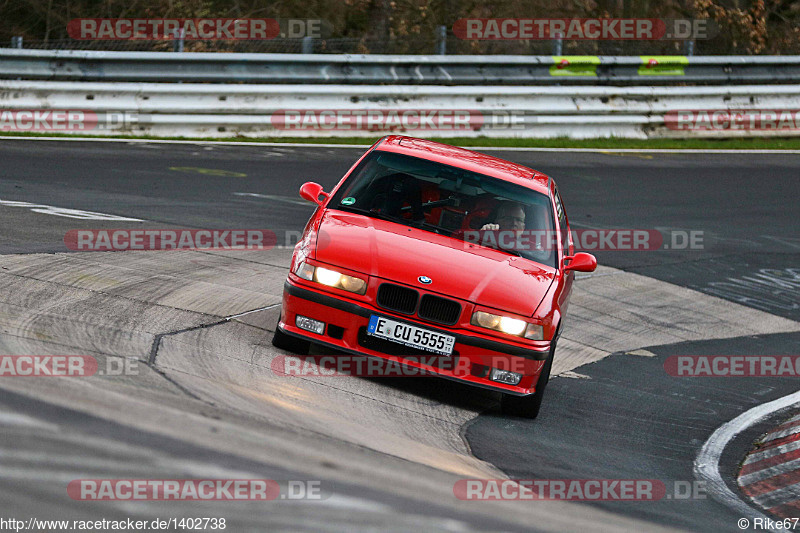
column 770, row 474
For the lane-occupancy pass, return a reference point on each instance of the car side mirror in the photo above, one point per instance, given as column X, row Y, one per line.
column 581, row 262
column 312, row 191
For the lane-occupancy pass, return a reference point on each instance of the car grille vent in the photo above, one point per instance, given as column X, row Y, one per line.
column 397, row 298
column 439, row 310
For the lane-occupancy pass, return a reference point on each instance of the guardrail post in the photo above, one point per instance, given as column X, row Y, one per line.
column 441, row 40
column 557, row 45
column 16, row 41
column 308, row 45
column 178, row 44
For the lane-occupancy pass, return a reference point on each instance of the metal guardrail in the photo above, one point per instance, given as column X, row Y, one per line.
column 216, row 110
column 82, row 65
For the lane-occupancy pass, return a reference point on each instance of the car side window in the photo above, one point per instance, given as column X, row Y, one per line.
column 562, row 222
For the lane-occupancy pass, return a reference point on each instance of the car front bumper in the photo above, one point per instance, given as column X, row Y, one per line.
column 473, row 356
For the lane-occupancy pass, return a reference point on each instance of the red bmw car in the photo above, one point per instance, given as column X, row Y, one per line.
column 440, row 258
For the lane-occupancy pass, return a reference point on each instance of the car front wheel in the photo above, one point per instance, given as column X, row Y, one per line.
column 290, row 344
column 528, row 406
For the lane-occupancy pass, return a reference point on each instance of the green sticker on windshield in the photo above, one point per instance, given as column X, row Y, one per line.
column 348, row 201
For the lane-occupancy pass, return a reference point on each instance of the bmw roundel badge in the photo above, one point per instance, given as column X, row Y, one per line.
column 425, row 279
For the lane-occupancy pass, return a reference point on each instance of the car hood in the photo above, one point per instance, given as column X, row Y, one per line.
column 399, row 253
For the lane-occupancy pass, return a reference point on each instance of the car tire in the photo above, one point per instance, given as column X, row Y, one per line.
column 289, row 343
column 528, row 406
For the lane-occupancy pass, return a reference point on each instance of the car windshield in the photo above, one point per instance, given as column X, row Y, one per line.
column 477, row 209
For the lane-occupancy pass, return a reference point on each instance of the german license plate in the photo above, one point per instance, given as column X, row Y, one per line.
column 408, row 335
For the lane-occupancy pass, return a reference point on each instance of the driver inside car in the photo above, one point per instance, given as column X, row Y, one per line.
column 510, row 217
column 508, row 231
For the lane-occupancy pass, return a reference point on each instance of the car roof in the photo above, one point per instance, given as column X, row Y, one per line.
column 466, row 159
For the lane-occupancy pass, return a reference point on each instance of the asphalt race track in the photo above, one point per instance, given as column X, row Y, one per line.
column 204, row 402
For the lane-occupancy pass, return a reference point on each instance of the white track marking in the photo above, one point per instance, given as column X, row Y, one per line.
column 50, row 476
column 761, row 475
column 284, row 199
column 347, row 502
column 572, row 375
column 706, row 465
column 779, row 496
column 253, row 311
column 641, row 353
column 772, row 452
column 782, row 433
column 70, row 461
column 68, row 213
column 14, row 419
column 199, row 143
column 365, row 146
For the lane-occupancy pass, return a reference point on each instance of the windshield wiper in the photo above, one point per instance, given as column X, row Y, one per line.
column 372, row 214
column 432, row 204
column 421, row 224
column 510, row 252
column 506, row 250
column 433, row 227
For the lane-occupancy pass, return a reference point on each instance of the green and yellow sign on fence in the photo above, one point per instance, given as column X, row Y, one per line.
column 574, row 66
column 663, row 65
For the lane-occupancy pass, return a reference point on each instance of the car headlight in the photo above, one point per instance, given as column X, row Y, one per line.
column 327, row 277
column 331, row 278
column 507, row 324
